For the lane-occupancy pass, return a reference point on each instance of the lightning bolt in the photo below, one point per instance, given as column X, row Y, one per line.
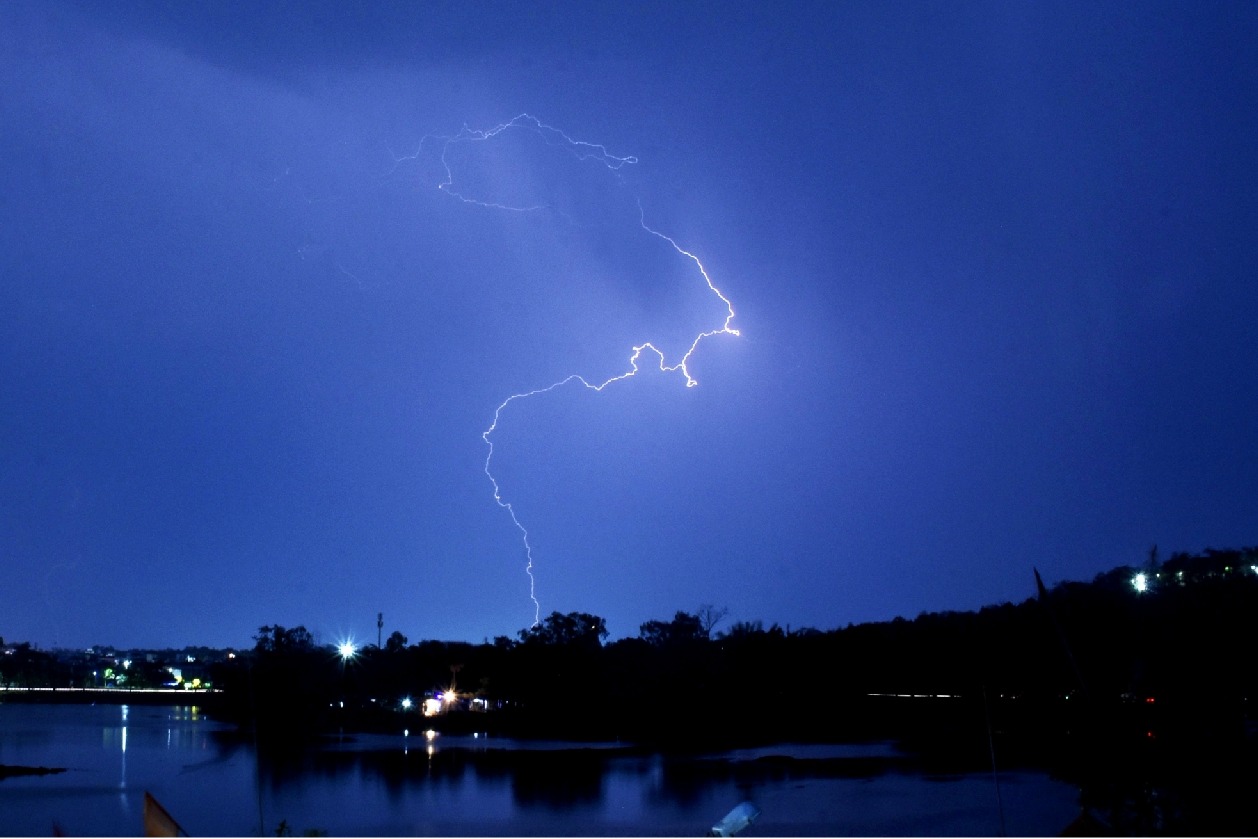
column 552, row 136
column 581, row 151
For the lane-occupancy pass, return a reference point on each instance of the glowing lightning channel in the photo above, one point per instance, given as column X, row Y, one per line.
column 552, row 136
column 581, row 151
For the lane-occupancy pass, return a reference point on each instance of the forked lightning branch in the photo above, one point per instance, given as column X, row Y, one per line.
column 646, row 352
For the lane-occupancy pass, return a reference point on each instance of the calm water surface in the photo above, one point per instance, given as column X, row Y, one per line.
column 214, row 783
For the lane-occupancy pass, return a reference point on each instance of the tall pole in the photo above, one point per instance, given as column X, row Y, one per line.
column 379, row 627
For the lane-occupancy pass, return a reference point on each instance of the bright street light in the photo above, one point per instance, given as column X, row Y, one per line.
column 346, row 649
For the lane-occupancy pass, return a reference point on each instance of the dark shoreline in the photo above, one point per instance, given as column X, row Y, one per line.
column 110, row 696
column 19, row 771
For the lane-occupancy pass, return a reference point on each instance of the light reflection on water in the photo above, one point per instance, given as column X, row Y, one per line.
column 213, row 781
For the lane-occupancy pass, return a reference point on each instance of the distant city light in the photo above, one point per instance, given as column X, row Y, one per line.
column 406, row 703
column 1140, row 583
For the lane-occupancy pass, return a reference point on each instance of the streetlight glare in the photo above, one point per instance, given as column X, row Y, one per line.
column 1140, row 583
column 346, row 649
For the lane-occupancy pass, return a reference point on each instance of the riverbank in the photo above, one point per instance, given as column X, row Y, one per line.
column 20, row 771
column 111, row 696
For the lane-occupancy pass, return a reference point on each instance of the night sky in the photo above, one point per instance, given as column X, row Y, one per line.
column 994, row 268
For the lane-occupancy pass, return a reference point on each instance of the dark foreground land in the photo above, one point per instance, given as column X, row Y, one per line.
column 1136, row 687
column 16, row 771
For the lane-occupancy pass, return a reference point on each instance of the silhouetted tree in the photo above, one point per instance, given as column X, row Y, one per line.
column 709, row 616
column 683, row 628
column 744, row 628
column 575, row 628
column 277, row 639
column 396, row 642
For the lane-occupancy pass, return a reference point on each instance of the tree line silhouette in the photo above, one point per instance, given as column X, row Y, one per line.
column 1185, row 643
